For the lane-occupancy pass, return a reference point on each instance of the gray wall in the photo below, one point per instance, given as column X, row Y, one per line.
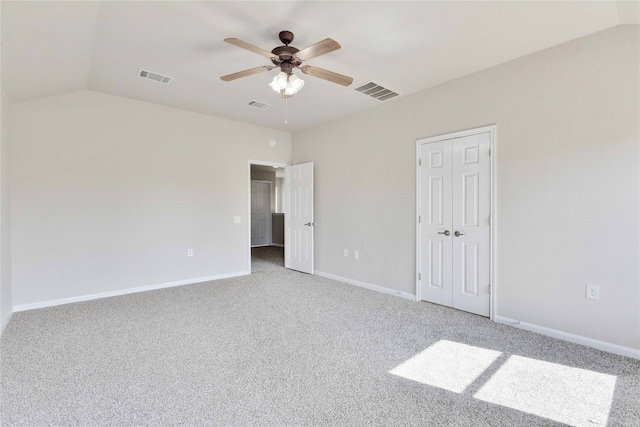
column 567, row 183
column 108, row 193
column 6, row 305
column 277, row 236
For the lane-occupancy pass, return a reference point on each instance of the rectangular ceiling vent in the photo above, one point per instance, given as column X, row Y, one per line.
column 259, row 105
column 146, row 74
column 376, row 91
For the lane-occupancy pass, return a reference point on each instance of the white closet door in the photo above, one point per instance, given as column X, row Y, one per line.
column 471, row 227
column 455, row 234
column 260, row 213
column 436, row 196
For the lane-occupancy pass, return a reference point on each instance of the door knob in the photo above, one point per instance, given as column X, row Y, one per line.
column 309, row 224
column 445, row 232
column 458, row 234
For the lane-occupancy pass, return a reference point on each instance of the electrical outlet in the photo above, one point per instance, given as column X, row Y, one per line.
column 189, row 252
column 593, row 291
column 236, row 220
column 356, row 255
column 345, row 253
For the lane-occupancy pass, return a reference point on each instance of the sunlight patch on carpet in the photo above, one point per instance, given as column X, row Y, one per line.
column 446, row 364
column 577, row 397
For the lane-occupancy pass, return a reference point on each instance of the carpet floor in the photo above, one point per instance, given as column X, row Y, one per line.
column 283, row 348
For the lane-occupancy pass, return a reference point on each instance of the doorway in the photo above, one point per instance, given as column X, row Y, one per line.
column 455, row 232
column 266, row 214
column 292, row 212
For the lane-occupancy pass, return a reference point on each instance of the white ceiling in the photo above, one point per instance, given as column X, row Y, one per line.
column 55, row 47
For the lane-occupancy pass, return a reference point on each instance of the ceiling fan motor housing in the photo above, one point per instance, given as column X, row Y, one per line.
column 287, row 68
column 285, row 58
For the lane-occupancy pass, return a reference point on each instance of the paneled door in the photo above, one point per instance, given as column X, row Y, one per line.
column 260, row 213
column 298, row 217
column 455, row 222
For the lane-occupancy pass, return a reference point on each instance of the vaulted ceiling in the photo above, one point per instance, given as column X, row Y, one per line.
column 54, row 47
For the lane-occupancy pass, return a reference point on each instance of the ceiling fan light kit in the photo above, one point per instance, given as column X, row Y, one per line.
column 287, row 58
column 286, row 85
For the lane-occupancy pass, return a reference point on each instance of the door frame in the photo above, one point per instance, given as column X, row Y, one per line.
column 492, row 130
column 259, row 163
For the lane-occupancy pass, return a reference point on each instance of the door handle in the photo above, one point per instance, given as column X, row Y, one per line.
column 458, row 234
column 445, row 232
column 310, row 224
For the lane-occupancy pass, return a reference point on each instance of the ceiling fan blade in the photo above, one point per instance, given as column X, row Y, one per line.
column 320, row 48
column 326, row 75
column 245, row 73
column 250, row 47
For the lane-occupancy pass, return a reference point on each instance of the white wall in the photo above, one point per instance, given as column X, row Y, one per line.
column 109, row 193
column 567, row 182
column 6, row 305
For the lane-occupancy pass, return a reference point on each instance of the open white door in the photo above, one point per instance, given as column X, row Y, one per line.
column 298, row 218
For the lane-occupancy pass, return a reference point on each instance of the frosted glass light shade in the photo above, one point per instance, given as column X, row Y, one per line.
column 279, row 82
column 295, row 84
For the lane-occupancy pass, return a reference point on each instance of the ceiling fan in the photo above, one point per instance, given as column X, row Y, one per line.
column 287, row 58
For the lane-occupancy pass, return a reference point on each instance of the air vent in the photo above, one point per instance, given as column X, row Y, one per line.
column 259, row 105
column 376, row 91
column 145, row 74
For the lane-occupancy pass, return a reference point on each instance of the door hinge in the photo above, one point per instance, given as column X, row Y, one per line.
column 489, row 289
column 419, row 276
column 489, row 152
column 420, row 161
column 419, row 219
column 489, row 219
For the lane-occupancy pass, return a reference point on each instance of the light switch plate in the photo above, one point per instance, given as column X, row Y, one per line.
column 593, row 292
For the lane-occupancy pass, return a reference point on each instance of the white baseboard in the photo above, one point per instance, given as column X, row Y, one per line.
column 5, row 322
column 369, row 286
column 577, row 339
column 51, row 303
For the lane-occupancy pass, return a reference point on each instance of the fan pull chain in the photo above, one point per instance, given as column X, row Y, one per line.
column 286, row 111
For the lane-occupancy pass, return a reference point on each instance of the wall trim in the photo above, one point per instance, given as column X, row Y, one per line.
column 61, row 301
column 576, row 339
column 369, row 286
column 5, row 322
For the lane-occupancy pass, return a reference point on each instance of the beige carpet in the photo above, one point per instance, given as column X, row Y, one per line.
column 284, row 348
